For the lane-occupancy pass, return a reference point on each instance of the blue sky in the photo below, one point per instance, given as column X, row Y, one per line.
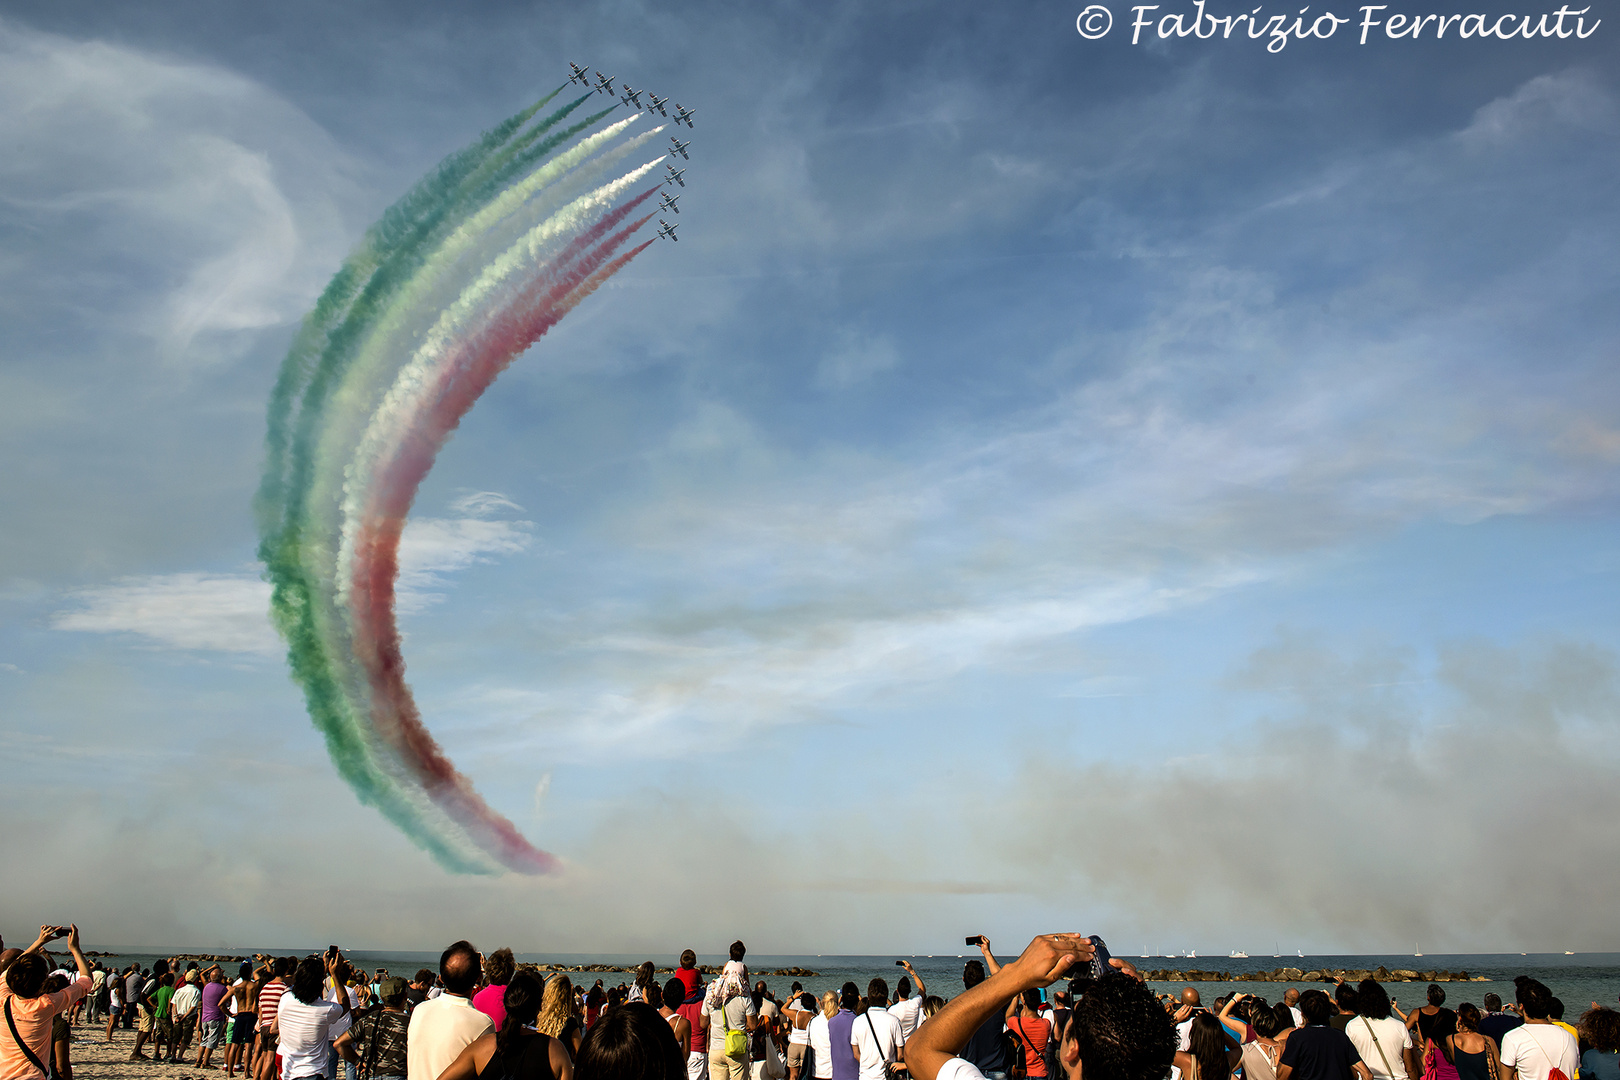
column 1166, row 491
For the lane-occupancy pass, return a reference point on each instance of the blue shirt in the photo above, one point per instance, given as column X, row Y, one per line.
column 1600, row 1065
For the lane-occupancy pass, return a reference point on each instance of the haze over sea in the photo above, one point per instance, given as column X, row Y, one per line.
column 1577, row 980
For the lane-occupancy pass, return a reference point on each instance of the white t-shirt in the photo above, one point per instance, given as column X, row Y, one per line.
column 439, row 1030
column 305, row 1032
column 1391, row 1038
column 1535, row 1048
column 821, row 1045
column 878, row 1038
column 1299, row 1017
column 184, row 1000
column 734, row 1015
column 909, row 1013
column 958, row 1069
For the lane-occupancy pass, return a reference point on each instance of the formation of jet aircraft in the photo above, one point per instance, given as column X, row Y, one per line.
column 629, row 95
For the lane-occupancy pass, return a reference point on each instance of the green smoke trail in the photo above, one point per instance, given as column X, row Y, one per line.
column 294, row 602
column 339, row 294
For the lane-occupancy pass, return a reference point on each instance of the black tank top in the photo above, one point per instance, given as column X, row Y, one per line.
column 529, row 1059
column 1471, row 1066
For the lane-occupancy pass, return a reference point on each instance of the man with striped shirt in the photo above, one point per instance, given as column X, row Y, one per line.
column 268, row 1064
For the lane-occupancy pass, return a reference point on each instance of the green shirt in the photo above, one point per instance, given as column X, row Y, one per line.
column 161, row 1000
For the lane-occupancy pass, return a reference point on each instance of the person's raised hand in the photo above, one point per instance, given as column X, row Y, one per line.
column 1183, row 1012
column 1125, row 967
column 1045, row 959
column 73, row 936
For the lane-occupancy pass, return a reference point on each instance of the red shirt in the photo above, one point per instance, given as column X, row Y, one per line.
column 693, row 1011
column 1036, row 1033
column 691, row 978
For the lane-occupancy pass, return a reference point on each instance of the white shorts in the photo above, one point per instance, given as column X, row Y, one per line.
column 697, row 1065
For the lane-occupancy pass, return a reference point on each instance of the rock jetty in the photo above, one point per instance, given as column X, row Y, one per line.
column 1293, row 975
column 707, row 969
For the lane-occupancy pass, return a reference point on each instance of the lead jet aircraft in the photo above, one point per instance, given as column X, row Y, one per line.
column 656, row 102
column 674, row 176
column 667, row 230
column 631, row 97
column 668, row 201
column 683, row 114
column 604, row 83
column 680, row 147
column 580, row 75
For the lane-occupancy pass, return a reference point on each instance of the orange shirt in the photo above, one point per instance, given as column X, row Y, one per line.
column 33, row 1019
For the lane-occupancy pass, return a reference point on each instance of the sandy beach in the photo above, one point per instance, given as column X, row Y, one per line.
column 94, row 1058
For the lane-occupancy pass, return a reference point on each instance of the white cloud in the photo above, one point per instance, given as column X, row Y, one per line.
column 230, row 612
column 223, row 195
column 212, row 612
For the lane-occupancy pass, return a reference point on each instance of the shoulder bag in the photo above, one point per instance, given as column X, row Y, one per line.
column 736, row 1040
column 27, row 1053
column 1382, row 1056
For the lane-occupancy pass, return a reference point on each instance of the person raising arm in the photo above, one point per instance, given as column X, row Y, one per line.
column 1116, row 1025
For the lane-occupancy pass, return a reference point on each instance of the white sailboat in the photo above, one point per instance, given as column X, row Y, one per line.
column 1237, row 954
column 1415, row 950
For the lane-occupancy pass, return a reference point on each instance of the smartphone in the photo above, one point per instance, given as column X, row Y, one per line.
column 899, row 963
column 331, row 950
column 973, row 940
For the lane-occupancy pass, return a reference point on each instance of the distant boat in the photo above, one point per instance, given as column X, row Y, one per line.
column 1276, row 947
column 1302, row 954
column 1237, row 954
column 1568, row 953
column 1415, row 950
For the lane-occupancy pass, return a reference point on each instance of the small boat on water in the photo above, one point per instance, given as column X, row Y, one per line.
column 1237, row 954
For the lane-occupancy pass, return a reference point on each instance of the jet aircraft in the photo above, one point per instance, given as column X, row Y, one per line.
column 604, row 83
column 631, row 97
column 680, row 147
column 674, row 175
column 656, row 102
column 667, row 230
column 683, row 114
column 668, row 201
column 580, row 75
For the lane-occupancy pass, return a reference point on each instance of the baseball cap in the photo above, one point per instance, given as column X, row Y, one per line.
column 392, row 986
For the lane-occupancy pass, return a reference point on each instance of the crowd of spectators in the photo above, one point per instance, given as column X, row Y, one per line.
column 488, row 1018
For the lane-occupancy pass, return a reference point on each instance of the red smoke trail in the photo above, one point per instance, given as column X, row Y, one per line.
column 474, row 364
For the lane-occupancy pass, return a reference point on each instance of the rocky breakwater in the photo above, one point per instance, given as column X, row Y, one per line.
column 706, row 969
column 1325, row 975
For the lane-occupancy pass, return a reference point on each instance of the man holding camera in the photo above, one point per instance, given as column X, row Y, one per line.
column 1116, row 1028
column 26, row 1042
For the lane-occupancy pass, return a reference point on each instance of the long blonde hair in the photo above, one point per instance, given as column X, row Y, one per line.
column 556, row 1007
column 829, row 1004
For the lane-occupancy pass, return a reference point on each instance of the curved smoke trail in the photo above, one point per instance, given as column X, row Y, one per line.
column 470, row 268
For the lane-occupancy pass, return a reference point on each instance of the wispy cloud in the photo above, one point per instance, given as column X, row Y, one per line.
column 230, row 612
